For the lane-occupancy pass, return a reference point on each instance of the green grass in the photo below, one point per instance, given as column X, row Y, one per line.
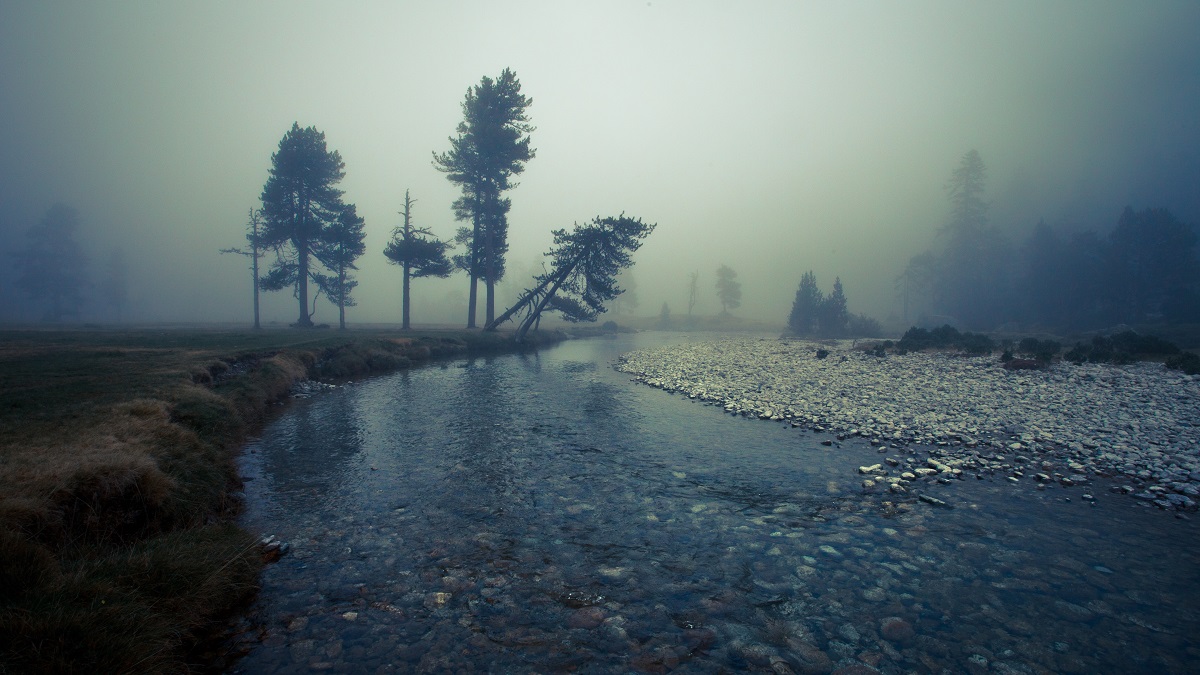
column 117, row 452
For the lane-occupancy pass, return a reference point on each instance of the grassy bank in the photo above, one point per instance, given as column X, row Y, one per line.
column 117, row 452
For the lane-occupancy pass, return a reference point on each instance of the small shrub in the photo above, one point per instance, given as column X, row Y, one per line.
column 976, row 344
column 1041, row 350
column 1188, row 362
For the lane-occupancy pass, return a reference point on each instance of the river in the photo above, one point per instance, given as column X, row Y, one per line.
column 542, row 513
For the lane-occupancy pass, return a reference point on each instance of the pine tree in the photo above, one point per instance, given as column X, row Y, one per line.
column 255, row 252
column 834, row 317
column 299, row 203
column 341, row 244
column 492, row 145
column 418, row 253
column 729, row 291
column 806, row 306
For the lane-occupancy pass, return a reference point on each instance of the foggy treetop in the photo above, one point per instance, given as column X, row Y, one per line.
column 775, row 138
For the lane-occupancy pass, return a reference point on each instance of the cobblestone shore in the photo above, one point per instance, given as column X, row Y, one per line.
column 1138, row 423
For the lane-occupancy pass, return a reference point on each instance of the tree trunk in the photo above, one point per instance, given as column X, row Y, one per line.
column 254, row 251
column 257, row 326
column 489, row 252
column 305, row 320
column 404, row 298
column 342, row 300
column 473, row 296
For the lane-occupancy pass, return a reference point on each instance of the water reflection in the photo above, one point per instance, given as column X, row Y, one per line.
column 539, row 512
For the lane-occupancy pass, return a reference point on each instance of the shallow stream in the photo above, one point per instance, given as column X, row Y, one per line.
column 542, row 512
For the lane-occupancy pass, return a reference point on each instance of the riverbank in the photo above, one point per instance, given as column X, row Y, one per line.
column 118, row 484
column 971, row 418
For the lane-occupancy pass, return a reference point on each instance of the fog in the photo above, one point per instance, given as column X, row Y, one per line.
column 773, row 137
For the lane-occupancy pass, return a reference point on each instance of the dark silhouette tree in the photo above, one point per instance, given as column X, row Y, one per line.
column 114, row 286
column 1042, row 287
column 1153, row 259
column 729, row 290
column 300, row 201
column 974, row 271
column 1085, row 266
column 341, row 244
column 418, row 252
column 833, row 314
column 966, row 187
column 584, row 265
column 806, row 307
column 52, row 268
column 255, row 251
column 492, row 145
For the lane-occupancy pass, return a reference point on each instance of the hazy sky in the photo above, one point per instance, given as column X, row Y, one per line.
column 774, row 137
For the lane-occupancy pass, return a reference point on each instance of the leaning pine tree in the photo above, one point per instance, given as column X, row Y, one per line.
column 583, row 271
column 300, row 201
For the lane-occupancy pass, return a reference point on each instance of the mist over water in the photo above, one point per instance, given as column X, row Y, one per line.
column 774, row 138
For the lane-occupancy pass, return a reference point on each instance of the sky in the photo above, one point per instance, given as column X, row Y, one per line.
column 773, row 137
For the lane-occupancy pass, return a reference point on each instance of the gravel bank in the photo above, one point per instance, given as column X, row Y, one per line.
column 1139, row 424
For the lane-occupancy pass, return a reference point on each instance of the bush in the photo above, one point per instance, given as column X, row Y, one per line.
column 1188, row 362
column 861, row 325
column 946, row 337
column 1121, row 348
column 1040, row 350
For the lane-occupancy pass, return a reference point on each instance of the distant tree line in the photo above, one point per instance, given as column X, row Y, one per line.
column 1144, row 270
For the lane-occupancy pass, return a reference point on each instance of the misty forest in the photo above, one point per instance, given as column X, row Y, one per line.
column 789, row 337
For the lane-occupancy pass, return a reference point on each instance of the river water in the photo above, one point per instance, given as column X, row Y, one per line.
column 543, row 513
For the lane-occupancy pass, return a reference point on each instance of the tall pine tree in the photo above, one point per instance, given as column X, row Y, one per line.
column 492, row 145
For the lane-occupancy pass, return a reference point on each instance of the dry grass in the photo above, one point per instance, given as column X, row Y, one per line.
column 117, row 459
